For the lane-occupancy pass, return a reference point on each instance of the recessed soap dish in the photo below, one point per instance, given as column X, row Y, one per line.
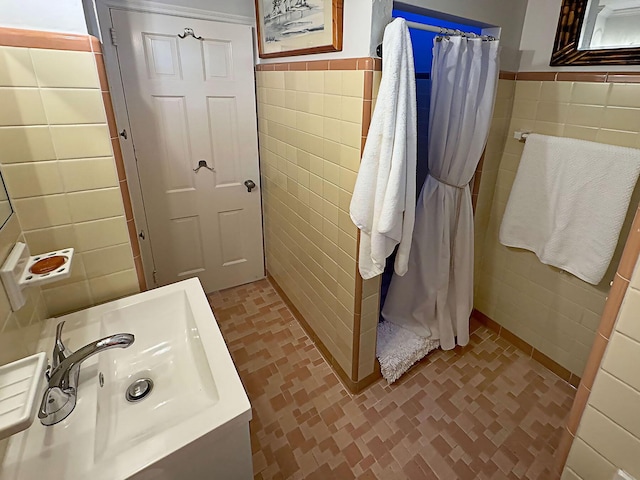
column 21, row 270
column 19, row 386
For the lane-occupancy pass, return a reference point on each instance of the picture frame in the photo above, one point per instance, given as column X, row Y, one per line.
column 298, row 27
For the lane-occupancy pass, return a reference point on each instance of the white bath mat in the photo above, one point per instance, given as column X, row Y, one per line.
column 398, row 348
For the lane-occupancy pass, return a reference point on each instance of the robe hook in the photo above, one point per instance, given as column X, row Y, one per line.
column 189, row 32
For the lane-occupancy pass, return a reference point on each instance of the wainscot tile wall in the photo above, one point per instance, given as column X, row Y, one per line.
column 608, row 437
column 19, row 331
column 66, row 186
column 487, row 172
column 313, row 118
column 596, row 106
column 552, row 311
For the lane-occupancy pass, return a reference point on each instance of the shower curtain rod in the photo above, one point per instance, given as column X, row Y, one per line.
column 447, row 31
column 441, row 31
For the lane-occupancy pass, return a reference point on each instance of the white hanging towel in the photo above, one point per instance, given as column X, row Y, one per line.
column 383, row 202
column 568, row 202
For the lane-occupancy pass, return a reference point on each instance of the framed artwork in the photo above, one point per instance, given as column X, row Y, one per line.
column 298, row 27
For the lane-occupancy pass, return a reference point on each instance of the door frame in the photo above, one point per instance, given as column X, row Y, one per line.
column 103, row 22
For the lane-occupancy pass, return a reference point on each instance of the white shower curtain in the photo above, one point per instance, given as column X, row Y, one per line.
column 434, row 298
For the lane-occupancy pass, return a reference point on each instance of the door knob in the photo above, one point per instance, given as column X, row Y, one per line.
column 250, row 184
column 203, row 164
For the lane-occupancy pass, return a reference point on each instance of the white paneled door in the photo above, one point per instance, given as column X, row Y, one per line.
column 192, row 112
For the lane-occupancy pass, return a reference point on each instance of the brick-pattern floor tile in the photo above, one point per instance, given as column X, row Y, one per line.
column 485, row 411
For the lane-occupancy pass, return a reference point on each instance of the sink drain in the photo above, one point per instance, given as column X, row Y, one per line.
column 139, row 389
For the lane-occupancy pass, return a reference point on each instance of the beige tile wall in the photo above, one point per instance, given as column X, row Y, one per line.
column 370, row 306
column 310, row 137
column 58, row 165
column 490, row 166
column 609, row 434
column 369, row 326
column 553, row 311
column 19, row 331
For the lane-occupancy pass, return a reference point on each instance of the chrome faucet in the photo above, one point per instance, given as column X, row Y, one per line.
column 60, row 398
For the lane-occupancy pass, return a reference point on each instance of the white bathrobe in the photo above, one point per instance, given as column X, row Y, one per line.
column 383, row 202
column 435, row 298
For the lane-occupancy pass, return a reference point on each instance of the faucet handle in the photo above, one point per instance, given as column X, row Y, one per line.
column 60, row 352
column 59, row 335
column 56, row 405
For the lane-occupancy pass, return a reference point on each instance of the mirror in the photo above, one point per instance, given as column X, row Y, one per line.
column 5, row 204
column 610, row 24
column 597, row 32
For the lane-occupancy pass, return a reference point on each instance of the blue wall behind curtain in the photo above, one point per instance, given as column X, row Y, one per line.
column 423, row 41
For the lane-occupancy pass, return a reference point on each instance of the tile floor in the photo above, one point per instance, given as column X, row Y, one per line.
column 482, row 412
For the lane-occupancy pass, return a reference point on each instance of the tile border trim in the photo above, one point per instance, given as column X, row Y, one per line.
column 96, row 48
column 353, row 387
column 364, row 63
column 535, row 354
column 18, row 37
column 367, row 112
column 594, row 77
column 505, row 75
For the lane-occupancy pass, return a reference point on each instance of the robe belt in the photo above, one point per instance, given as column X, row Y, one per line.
column 457, row 219
column 447, row 183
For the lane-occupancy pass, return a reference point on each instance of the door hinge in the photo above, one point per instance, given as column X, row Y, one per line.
column 142, row 235
column 114, row 40
column 155, row 278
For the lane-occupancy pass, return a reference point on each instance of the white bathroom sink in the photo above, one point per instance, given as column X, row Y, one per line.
column 168, row 351
column 196, row 403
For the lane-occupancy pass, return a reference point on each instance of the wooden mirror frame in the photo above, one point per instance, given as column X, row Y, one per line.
column 565, row 47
